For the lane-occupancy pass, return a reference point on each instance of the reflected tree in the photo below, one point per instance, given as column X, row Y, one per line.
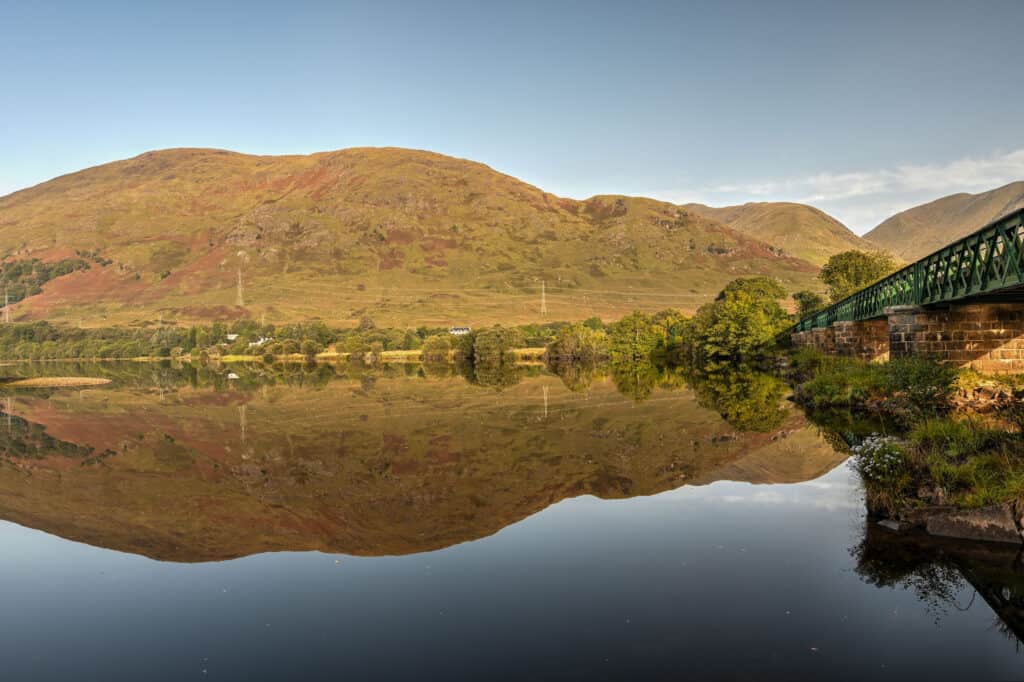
column 946, row 574
column 748, row 400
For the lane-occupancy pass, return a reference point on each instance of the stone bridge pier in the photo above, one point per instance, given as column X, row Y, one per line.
column 987, row 337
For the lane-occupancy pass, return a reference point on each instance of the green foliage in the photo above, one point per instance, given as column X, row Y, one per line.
column 808, row 302
column 310, row 348
column 742, row 322
column 850, row 271
column 437, row 349
column 921, row 385
column 635, row 379
column 578, row 343
column 24, row 278
column 907, row 389
column 886, row 469
column 973, row 464
column 747, row 400
column 633, row 339
column 492, row 345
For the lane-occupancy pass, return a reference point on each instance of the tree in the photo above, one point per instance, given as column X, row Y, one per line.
column 437, row 349
column 743, row 321
column 310, row 348
column 491, row 345
column 808, row 302
column 850, row 271
column 577, row 343
column 633, row 338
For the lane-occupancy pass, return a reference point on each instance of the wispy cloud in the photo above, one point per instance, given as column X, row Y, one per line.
column 864, row 198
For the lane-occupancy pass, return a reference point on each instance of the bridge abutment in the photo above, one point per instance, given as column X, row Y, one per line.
column 866, row 339
column 987, row 337
column 822, row 340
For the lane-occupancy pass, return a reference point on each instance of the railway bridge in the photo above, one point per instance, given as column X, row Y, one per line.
column 963, row 304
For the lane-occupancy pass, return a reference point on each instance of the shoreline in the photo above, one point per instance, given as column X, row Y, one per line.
column 522, row 355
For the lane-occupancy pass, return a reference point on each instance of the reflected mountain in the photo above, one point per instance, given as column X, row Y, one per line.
column 937, row 569
column 184, row 466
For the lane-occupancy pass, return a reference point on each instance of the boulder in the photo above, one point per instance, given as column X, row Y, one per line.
column 994, row 524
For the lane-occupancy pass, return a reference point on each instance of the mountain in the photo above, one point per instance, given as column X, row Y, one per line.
column 917, row 232
column 800, row 230
column 408, row 237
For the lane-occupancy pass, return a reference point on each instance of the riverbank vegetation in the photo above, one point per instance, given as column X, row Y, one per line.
column 931, row 454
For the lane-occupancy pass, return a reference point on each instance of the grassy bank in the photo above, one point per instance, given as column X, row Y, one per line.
column 937, row 451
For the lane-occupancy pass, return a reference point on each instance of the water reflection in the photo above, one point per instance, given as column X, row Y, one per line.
column 185, row 464
column 721, row 487
column 938, row 570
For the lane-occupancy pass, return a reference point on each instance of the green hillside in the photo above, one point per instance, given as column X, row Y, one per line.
column 408, row 237
column 798, row 229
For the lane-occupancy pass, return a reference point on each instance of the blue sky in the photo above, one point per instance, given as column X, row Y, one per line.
column 861, row 108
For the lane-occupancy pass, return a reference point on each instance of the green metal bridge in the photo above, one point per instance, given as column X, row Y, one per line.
column 986, row 264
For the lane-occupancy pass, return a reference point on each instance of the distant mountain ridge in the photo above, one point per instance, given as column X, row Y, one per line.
column 800, row 230
column 406, row 236
column 919, row 231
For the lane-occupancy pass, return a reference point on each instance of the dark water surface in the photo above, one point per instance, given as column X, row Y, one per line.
column 408, row 525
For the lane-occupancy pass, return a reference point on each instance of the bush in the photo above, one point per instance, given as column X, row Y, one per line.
column 923, row 385
column 908, row 389
column 883, row 463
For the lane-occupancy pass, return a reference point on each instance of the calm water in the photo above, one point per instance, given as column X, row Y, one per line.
column 343, row 524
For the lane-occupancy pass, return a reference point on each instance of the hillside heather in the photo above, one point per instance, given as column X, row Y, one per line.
column 411, row 237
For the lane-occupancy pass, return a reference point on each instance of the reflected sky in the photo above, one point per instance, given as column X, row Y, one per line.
column 724, row 581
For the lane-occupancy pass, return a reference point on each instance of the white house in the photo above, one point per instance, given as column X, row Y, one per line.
column 459, row 331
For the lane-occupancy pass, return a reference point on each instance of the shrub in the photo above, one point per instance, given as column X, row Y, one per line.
column 923, row 385
column 884, row 465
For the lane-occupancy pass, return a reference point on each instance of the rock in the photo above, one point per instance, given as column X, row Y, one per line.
column 994, row 524
column 891, row 524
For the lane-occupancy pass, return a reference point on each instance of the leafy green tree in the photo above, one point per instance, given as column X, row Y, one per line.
column 578, row 343
column 491, row 345
column 808, row 302
column 633, row 338
column 437, row 349
column 742, row 322
column 310, row 348
column 850, row 271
